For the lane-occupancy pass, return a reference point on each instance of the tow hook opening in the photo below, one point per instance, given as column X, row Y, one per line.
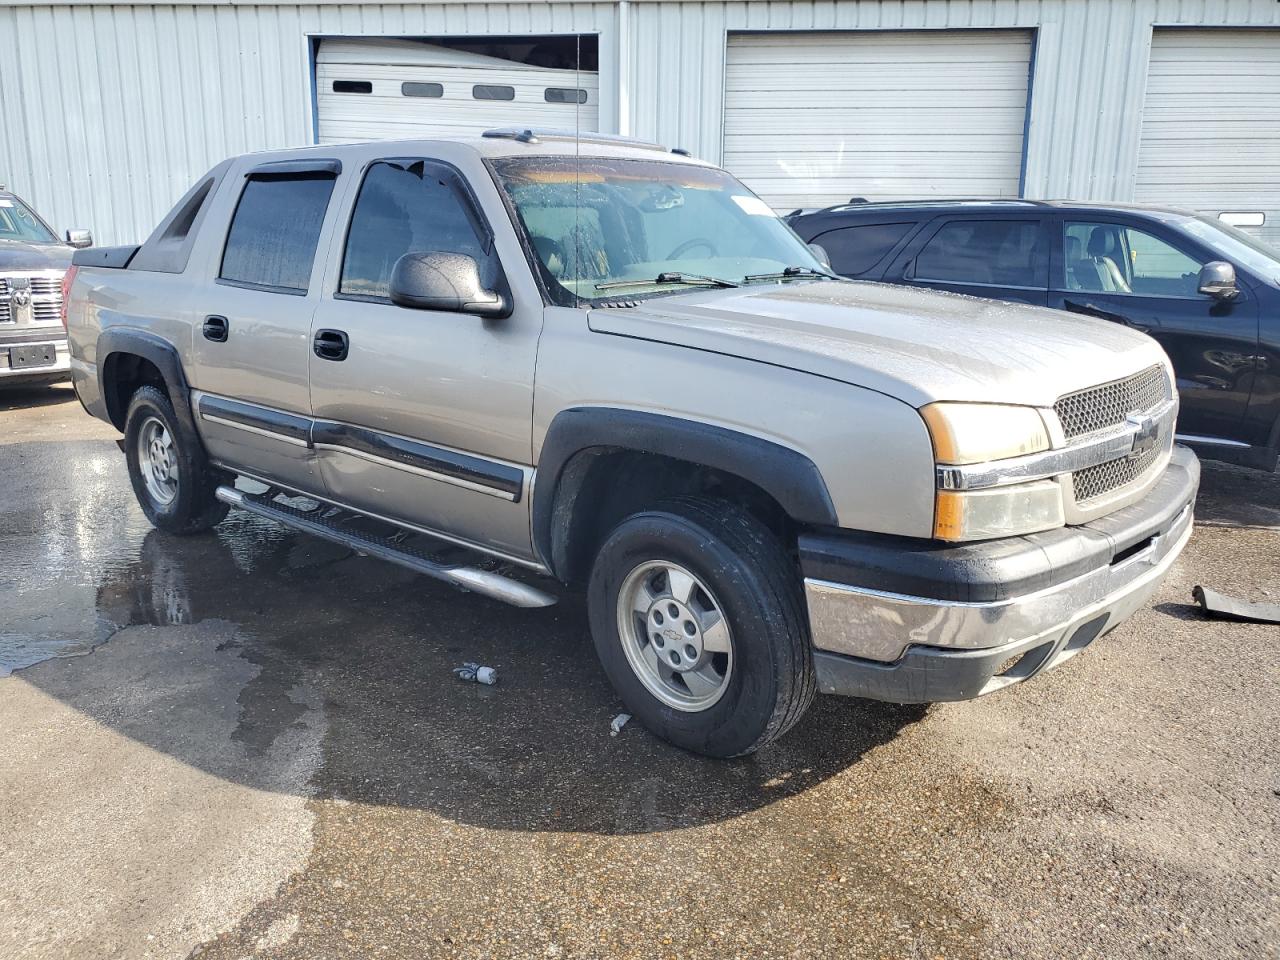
column 1132, row 551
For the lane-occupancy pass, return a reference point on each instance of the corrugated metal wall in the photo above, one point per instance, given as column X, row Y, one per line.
column 1088, row 76
column 107, row 113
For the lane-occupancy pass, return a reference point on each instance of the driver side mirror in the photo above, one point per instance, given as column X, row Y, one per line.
column 1218, row 280
column 79, row 239
column 444, row 281
column 820, row 252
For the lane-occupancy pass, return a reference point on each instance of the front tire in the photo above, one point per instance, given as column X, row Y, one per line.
column 171, row 477
column 697, row 617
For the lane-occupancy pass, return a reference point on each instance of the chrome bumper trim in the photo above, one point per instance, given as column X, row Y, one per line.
column 61, row 365
column 875, row 625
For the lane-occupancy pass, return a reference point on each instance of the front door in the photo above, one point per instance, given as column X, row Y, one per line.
column 1147, row 280
column 424, row 416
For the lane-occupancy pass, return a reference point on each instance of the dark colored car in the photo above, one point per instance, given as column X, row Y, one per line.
column 33, row 263
column 1207, row 292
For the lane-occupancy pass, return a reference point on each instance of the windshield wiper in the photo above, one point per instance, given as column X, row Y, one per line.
column 664, row 278
column 791, row 273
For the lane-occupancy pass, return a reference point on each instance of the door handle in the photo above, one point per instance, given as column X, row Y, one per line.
column 1090, row 310
column 331, row 344
column 216, row 328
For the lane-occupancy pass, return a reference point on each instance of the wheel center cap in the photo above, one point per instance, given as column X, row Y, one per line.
column 675, row 635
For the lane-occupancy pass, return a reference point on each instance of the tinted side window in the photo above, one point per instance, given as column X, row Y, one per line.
column 274, row 232
column 405, row 210
column 1002, row 253
column 855, row 250
column 1109, row 258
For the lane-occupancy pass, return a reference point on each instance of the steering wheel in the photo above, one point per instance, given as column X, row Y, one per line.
column 692, row 244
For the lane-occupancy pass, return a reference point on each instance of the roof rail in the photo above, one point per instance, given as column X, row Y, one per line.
column 855, row 203
column 532, row 135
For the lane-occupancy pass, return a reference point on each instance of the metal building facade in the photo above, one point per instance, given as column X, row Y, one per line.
column 110, row 111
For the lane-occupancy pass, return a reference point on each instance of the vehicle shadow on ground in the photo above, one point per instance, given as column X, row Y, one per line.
column 29, row 398
column 364, row 652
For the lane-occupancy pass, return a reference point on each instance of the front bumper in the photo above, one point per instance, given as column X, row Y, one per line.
column 59, row 369
column 897, row 620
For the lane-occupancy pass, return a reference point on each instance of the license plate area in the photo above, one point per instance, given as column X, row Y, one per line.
column 33, row 355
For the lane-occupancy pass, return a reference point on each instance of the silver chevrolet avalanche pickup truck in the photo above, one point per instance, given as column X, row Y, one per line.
column 526, row 359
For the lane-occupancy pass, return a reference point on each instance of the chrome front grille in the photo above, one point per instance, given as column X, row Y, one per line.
column 35, row 300
column 1110, row 404
column 1093, row 482
column 46, row 287
column 47, row 311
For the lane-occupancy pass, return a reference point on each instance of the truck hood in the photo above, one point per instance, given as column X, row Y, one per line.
column 17, row 255
column 916, row 345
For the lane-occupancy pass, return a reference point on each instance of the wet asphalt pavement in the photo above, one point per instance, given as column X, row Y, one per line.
column 250, row 744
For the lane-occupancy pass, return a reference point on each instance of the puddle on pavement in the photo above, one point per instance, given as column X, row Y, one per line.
column 81, row 562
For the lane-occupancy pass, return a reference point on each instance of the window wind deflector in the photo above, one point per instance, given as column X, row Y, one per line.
column 447, row 175
column 319, row 169
column 664, row 278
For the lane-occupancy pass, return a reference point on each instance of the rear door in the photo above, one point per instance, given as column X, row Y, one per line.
column 252, row 329
column 1146, row 277
column 426, row 416
column 1005, row 258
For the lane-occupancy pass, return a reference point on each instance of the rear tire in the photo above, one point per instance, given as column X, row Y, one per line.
column 171, row 476
column 697, row 617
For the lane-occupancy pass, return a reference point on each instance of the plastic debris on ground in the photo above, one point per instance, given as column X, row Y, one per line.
column 475, row 673
column 619, row 722
column 1223, row 607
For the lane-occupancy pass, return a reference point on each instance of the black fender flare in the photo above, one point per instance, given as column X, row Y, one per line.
column 116, row 341
column 576, row 433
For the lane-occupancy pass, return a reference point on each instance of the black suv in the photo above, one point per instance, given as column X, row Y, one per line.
column 1208, row 293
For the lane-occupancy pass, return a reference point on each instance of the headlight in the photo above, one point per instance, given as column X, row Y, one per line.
column 978, row 432
column 998, row 512
column 968, row 433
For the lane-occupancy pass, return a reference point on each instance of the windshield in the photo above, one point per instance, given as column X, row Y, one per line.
column 1237, row 246
column 596, row 225
column 17, row 222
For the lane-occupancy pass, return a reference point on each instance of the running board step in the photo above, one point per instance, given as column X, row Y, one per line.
column 320, row 523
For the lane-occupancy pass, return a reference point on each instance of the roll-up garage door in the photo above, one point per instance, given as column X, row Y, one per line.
column 393, row 89
column 1211, row 125
column 812, row 119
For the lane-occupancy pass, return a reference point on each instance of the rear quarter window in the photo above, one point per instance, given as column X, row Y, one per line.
column 855, row 250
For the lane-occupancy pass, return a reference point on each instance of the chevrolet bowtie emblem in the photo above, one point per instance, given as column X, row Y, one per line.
column 1146, row 434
